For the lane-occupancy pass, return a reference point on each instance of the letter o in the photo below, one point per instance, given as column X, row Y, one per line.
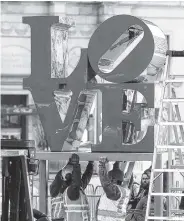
column 135, row 62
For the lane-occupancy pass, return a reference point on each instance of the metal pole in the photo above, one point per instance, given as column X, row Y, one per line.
column 99, row 120
column 43, row 186
column 169, row 154
column 5, row 186
column 27, row 188
column 158, row 201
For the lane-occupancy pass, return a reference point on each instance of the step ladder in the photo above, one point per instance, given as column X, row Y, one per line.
column 171, row 214
column 17, row 157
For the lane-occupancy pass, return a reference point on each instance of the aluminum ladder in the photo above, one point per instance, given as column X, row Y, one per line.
column 167, row 148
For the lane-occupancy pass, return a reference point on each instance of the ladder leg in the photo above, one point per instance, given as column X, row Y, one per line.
column 22, row 204
column 18, row 184
column 15, row 188
column 5, row 191
column 27, row 190
column 158, row 186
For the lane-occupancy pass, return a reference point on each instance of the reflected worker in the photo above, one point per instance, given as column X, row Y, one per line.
column 113, row 203
column 67, row 192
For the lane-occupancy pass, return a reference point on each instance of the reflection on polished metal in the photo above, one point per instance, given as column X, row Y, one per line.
column 121, row 48
column 61, row 129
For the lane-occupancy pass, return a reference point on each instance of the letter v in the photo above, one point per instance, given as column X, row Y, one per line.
column 42, row 86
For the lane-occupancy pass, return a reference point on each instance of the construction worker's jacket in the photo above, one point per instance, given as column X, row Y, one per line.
column 57, row 209
column 113, row 203
column 76, row 210
column 134, row 200
column 60, row 186
column 141, row 206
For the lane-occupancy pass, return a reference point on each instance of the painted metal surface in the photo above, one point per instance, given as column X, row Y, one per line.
column 42, row 86
column 56, row 156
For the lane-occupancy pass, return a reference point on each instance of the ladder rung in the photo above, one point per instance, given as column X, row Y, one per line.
column 173, row 100
column 177, row 211
column 170, row 81
column 176, row 76
column 169, row 170
column 171, row 123
column 13, row 153
column 177, row 167
column 170, row 146
column 167, row 194
column 176, row 189
column 175, row 218
column 175, row 81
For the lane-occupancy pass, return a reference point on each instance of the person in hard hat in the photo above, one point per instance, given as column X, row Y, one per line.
column 75, row 201
column 112, row 204
column 67, row 177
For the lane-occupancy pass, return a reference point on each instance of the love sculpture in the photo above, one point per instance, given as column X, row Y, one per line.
column 124, row 75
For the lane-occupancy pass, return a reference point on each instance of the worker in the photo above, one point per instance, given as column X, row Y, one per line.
column 142, row 205
column 143, row 191
column 75, row 201
column 143, row 200
column 68, row 184
column 39, row 216
column 112, row 204
column 138, row 213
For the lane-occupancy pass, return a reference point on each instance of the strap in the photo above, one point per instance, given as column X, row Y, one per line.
column 57, row 207
column 76, row 208
column 112, row 214
column 57, row 200
column 123, row 198
column 57, row 210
